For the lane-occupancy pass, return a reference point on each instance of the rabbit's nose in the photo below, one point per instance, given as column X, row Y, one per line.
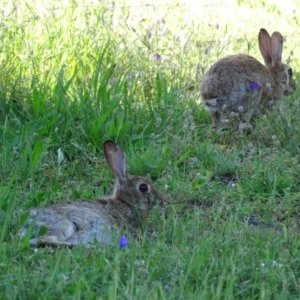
column 162, row 197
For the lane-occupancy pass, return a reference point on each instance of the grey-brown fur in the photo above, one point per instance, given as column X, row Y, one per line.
column 240, row 83
column 84, row 222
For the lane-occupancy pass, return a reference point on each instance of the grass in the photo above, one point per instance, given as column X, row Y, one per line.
column 75, row 74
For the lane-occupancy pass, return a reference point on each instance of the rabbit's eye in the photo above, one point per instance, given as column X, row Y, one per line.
column 290, row 72
column 143, row 187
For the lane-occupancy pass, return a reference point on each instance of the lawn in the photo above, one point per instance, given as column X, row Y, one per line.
column 74, row 73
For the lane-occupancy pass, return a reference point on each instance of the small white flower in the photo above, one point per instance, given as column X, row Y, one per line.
column 139, row 262
column 241, row 108
column 277, row 264
column 60, row 156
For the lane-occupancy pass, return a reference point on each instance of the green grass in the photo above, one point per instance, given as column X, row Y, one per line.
column 73, row 75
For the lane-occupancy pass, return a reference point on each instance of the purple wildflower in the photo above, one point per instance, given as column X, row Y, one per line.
column 123, row 242
column 158, row 56
column 255, row 86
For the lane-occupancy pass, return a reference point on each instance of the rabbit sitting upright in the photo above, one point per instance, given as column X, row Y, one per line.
column 84, row 222
column 240, row 83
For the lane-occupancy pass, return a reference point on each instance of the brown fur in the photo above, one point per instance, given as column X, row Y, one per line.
column 227, row 84
column 84, row 222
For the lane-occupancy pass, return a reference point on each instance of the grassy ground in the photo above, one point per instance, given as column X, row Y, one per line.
column 75, row 74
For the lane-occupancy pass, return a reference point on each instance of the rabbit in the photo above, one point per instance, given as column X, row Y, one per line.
column 84, row 222
column 240, row 83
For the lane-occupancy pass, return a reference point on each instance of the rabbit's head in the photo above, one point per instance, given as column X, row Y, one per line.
column 271, row 49
column 136, row 193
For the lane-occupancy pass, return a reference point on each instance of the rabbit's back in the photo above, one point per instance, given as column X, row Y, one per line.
column 242, row 63
column 80, row 222
column 229, row 81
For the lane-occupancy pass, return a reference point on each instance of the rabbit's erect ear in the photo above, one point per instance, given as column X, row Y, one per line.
column 276, row 46
column 264, row 41
column 115, row 158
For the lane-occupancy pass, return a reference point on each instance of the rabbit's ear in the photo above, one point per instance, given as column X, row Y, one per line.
column 115, row 158
column 276, row 46
column 264, row 41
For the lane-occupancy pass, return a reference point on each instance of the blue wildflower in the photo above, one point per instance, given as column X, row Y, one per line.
column 255, row 86
column 123, row 242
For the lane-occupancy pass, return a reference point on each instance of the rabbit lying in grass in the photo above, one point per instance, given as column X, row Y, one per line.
column 84, row 222
column 240, row 83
